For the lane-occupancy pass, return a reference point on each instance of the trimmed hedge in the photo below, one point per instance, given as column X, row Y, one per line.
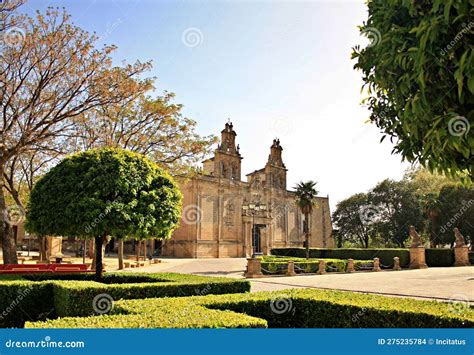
column 279, row 265
column 22, row 301
column 385, row 255
column 439, row 257
column 53, row 295
column 294, row 308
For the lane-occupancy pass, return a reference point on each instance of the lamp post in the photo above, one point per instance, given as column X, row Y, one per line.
column 254, row 208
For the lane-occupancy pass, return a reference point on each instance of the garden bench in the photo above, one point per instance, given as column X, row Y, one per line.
column 42, row 268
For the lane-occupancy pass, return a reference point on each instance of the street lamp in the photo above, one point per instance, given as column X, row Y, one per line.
column 254, row 208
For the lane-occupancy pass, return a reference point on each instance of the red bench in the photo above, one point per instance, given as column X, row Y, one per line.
column 42, row 268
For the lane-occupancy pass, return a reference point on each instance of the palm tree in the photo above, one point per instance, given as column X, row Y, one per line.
column 305, row 198
column 431, row 207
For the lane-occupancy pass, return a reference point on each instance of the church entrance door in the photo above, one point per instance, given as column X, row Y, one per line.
column 257, row 238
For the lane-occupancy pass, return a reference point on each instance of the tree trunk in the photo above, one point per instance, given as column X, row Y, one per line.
column 306, row 233
column 99, row 265
column 8, row 243
column 120, row 254
column 42, row 247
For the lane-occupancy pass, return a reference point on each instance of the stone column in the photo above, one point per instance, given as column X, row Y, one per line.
column 322, row 267
column 350, row 265
column 396, row 263
column 254, row 268
column 291, row 269
column 376, row 265
column 417, row 258
column 461, row 256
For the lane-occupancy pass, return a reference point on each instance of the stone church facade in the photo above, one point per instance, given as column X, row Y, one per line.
column 215, row 225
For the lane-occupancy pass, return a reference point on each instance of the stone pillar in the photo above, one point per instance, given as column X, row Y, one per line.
column 350, row 265
column 322, row 267
column 461, row 256
column 376, row 265
column 417, row 258
column 254, row 268
column 396, row 263
column 291, row 269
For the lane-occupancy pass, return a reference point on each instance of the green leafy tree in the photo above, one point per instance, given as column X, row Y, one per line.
column 397, row 207
column 352, row 220
column 418, row 71
column 305, row 198
column 456, row 209
column 105, row 192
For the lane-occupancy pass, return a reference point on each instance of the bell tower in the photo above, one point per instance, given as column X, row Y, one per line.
column 227, row 158
column 275, row 169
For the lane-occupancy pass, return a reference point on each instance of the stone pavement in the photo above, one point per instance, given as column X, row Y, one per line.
column 452, row 283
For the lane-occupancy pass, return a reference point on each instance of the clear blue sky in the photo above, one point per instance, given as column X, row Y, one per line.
column 276, row 68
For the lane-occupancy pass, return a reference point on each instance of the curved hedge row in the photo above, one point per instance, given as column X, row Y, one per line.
column 54, row 295
column 282, row 309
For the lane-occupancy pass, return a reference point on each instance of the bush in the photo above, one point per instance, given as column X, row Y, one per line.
column 54, row 295
column 279, row 265
column 439, row 257
column 385, row 255
column 76, row 298
column 281, row 309
column 22, row 300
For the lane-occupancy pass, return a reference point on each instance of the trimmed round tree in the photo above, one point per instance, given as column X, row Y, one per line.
column 105, row 192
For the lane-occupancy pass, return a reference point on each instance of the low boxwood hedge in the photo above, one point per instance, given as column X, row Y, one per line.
column 385, row 255
column 23, row 300
column 35, row 297
column 279, row 264
column 282, row 309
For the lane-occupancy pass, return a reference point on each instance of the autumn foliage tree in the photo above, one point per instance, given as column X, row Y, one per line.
column 105, row 192
column 52, row 73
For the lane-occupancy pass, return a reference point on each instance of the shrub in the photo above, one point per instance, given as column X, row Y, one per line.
column 281, row 309
column 75, row 298
column 439, row 257
column 54, row 295
column 22, row 300
column 385, row 255
column 279, row 264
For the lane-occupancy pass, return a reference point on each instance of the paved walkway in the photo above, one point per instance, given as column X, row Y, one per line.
column 453, row 283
